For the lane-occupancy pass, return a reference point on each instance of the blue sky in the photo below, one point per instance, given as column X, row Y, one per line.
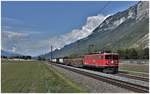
column 37, row 21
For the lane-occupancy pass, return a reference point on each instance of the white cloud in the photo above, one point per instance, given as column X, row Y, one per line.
column 11, row 39
column 13, row 49
column 29, row 44
column 76, row 34
column 118, row 22
column 11, row 34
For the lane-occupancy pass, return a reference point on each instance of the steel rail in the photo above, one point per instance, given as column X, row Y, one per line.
column 120, row 83
column 133, row 76
column 122, row 74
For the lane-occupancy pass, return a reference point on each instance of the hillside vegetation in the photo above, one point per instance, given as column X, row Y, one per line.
column 124, row 30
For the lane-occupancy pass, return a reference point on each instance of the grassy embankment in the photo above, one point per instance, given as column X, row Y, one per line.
column 32, row 76
column 135, row 69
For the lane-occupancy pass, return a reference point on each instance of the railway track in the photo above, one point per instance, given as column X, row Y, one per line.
column 124, row 74
column 127, row 83
column 132, row 76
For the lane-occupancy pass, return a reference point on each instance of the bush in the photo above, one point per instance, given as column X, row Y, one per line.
column 133, row 53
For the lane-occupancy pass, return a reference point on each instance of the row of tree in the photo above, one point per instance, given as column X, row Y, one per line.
column 128, row 53
column 41, row 58
column 133, row 53
column 17, row 57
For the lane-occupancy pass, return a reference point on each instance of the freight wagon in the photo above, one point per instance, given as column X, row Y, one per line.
column 107, row 62
column 57, row 60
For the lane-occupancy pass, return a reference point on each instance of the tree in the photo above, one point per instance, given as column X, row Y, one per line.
column 91, row 48
column 39, row 58
column 146, row 53
column 133, row 53
column 28, row 57
column 73, row 55
column 3, row 56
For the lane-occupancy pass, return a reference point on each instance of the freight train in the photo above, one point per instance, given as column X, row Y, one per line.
column 107, row 62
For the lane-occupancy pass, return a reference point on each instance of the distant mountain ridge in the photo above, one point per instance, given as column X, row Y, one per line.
column 126, row 29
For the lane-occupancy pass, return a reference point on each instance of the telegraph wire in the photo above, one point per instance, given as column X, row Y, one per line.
column 102, row 9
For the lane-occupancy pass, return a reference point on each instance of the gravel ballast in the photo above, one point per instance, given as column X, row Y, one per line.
column 91, row 84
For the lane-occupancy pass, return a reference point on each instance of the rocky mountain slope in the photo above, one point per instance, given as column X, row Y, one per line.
column 126, row 29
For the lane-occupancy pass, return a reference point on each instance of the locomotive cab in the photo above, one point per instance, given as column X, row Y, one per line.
column 112, row 59
column 112, row 62
column 108, row 62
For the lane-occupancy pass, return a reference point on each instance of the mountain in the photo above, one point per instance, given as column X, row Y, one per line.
column 76, row 34
column 8, row 54
column 126, row 29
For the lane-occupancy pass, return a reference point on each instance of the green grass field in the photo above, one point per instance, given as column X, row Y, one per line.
column 135, row 69
column 33, row 76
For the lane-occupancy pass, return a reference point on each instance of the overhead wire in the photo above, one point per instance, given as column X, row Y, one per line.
column 103, row 8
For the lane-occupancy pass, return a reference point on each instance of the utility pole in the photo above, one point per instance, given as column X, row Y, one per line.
column 51, row 52
column 91, row 48
column 78, row 48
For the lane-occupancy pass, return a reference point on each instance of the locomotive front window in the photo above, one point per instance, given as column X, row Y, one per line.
column 115, row 57
column 108, row 57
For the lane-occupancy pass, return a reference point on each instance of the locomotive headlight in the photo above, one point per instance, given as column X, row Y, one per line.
column 112, row 62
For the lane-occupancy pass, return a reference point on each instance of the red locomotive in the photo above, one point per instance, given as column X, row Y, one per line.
column 107, row 62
